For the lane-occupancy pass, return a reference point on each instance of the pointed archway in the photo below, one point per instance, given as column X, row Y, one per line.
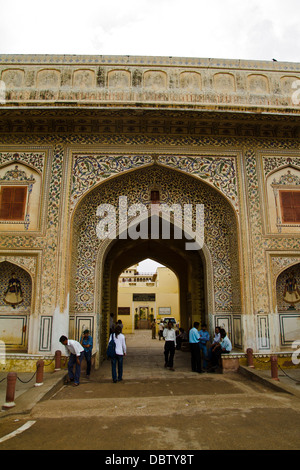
column 209, row 278
column 189, row 266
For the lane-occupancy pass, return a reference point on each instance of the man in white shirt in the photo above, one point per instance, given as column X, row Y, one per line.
column 170, row 344
column 160, row 330
column 76, row 355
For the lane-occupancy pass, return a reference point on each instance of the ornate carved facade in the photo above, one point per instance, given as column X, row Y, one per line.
column 78, row 131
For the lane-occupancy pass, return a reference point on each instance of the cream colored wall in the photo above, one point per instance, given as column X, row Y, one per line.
column 166, row 290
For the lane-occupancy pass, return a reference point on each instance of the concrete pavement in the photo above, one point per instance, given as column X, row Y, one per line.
column 143, row 363
column 154, row 408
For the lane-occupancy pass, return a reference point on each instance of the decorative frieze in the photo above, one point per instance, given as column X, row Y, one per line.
column 194, row 82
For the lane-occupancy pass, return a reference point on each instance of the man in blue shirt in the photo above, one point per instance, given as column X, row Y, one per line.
column 87, row 342
column 194, row 339
column 204, row 337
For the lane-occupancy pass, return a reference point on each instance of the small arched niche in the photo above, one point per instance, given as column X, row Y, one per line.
column 15, row 306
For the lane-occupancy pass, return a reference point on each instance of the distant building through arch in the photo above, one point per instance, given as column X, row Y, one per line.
column 146, row 297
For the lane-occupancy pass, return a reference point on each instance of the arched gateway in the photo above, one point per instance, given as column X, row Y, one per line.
column 79, row 132
column 208, row 277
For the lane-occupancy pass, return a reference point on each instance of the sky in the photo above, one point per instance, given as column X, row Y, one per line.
column 230, row 29
column 148, row 266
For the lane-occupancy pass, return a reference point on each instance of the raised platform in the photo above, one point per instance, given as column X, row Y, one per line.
column 231, row 362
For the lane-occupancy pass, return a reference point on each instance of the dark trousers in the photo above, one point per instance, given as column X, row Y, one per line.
column 216, row 356
column 88, row 358
column 195, row 357
column 72, row 361
column 169, row 353
column 118, row 359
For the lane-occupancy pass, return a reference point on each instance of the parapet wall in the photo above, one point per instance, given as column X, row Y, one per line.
column 95, row 81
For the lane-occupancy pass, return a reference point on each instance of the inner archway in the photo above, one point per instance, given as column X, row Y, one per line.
column 188, row 268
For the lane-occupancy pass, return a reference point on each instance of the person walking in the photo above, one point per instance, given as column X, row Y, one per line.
column 76, row 355
column 170, row 345
column 160, row 330
column 194, row 339
column 153, row 328
column 120, row 343
column 87, row 342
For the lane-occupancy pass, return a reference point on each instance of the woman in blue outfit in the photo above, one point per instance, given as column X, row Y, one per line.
column 120, row 343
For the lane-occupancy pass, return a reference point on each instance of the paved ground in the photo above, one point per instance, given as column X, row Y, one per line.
column 156, row 409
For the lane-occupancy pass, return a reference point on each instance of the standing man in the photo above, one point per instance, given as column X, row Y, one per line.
column 194, row 339
column 87, row 342
column 170, row 344
column 160, row 330
column 76, row 355
column 204, row 338
column 153, row 328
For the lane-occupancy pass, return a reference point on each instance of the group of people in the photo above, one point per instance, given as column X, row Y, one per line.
column 83, row 349
column 211, row 353
column 78, row 350
column 205, row 356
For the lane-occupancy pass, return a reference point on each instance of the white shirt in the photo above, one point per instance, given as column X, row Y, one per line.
column 120, row 344
column 226, row 344
column 74, row 347
column 169, row 335
column 217, row 338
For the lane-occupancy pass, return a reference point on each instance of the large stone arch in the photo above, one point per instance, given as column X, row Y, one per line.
column 213, row 272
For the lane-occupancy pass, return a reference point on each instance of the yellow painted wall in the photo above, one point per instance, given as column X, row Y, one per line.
column 166, row 291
